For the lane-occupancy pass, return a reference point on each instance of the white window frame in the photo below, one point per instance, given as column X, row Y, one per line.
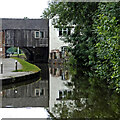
column 35, row 34
column 36, row 92
column 42, row 33
column 39, row 90
column 64, row 29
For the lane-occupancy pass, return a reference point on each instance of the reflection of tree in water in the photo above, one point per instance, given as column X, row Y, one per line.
column 89, row 99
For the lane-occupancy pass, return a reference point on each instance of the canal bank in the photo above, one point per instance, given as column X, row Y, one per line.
column 7, row 75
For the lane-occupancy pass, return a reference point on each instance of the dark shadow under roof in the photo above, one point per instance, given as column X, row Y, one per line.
column 24, row 23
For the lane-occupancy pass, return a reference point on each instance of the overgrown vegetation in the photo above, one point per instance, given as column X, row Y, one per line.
column 26, row 66
column 95, row 42
column 107, row 28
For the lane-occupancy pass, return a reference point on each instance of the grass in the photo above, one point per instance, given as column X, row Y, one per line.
column 26, row 66
column 19, row 54
column 16, row 55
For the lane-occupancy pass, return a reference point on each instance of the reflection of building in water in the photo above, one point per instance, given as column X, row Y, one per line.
column 58, row 90
column 58, row 54
column 31, row 95
column 64, row 94
column 59, row 72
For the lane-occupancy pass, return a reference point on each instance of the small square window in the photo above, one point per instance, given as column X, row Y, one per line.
column 37, row 34
column 37, row 92
column 60, row 32
column 64, row 31
column 42, row 92
column 60, row 94
column 41, row 34
column 69, row 31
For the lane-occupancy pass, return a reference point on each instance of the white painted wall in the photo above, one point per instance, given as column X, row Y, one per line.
column 54, row 39
column 56, row 84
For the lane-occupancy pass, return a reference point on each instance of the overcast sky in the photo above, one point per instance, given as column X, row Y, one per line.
column 22, row 8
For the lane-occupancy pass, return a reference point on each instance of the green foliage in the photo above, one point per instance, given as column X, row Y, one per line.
column 108, row 47
column 26, row 66
column 95, row 41
column 80, row 16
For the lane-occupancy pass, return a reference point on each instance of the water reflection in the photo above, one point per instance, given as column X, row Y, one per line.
column 86, row 99
column 59, row 71
column 26, row 94
column 66, row 93
column 31, row 95
column 59, row 77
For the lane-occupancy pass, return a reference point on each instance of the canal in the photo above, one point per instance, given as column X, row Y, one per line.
column 65, row 93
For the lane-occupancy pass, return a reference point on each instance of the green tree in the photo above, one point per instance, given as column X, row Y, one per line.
column 108, row 46
column 80, row 15
column 95, row 42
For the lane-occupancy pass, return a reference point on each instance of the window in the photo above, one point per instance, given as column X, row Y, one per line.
column 64, row 48
column 64, row 94
column 60, row 94
column 37, row 34
column 60, row 31
column 64, row 31
column 41, row 34
column 42, row 91
column 69, row 31
column 39, row 92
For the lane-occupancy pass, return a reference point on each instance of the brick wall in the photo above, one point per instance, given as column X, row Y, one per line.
column 2, row 44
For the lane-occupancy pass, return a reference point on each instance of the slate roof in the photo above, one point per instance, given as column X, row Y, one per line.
column 24, row 23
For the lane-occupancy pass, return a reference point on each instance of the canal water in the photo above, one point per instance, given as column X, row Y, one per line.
column 65, row 93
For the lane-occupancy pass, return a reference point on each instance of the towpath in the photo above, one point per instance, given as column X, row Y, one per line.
column 9, row 67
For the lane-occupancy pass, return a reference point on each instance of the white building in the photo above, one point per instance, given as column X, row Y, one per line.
column 57, row 83
column 57, row 45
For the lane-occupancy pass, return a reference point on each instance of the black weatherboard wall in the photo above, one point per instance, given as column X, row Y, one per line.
column 31, row 35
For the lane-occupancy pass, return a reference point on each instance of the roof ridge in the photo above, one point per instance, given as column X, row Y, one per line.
column 24, row 23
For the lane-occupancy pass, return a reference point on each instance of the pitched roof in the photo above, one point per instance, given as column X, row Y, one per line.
column 24, row 23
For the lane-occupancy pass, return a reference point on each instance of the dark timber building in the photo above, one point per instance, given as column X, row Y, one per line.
column 30, row 35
